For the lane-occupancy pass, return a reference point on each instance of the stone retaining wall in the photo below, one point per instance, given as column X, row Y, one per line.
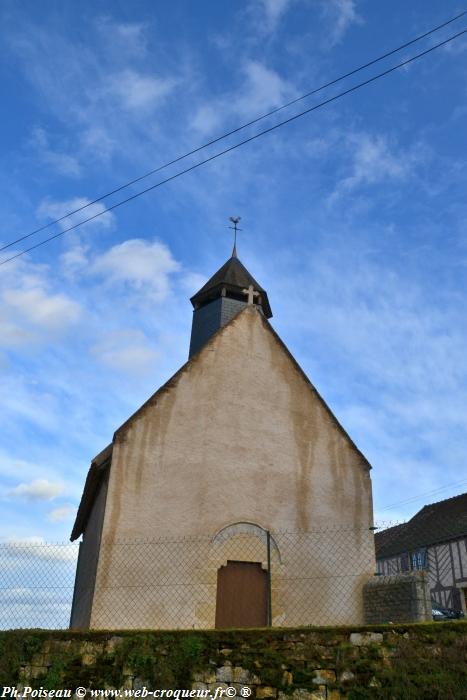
column 394, row 662
column 400, row 598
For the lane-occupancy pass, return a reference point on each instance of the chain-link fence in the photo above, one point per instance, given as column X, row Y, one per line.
column 243, row 576
column 36, row 584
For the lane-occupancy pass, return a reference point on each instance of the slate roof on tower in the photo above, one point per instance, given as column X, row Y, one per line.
column 234, row 277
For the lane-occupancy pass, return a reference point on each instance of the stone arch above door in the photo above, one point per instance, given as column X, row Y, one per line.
column 248, row 531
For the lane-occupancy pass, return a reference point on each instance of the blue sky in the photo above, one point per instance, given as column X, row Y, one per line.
column 353, row 218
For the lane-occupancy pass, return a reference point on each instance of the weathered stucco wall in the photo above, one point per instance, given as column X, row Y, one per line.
column 241, row 436
column 412, row 662
column 87, row 561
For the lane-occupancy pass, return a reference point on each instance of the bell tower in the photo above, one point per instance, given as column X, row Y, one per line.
column 228, row 291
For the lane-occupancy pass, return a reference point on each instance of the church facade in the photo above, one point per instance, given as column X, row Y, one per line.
column 236, row 451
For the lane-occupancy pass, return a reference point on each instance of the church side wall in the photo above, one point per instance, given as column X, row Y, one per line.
column 241, row 437
column 87, row 562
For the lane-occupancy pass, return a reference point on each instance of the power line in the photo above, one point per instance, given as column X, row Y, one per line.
column 240, row 143
column 234, row 131
column 426, row 493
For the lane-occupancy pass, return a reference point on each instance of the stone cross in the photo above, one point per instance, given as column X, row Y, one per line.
column 251, row 294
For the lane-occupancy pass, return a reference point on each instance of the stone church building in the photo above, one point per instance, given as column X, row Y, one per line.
column 233, row 496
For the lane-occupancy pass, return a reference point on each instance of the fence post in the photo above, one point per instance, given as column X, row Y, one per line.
column 268, row 542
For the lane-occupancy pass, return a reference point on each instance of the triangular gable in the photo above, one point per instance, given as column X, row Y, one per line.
column 172, row 382
column 90, row 490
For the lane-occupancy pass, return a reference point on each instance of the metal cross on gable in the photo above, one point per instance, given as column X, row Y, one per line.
column 235, row 220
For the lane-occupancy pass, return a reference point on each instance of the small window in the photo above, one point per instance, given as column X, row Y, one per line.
column 418, row 560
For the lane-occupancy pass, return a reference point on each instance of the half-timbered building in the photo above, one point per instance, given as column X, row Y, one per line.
column 434, row 540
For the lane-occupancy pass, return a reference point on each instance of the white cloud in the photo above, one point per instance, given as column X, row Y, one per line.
column 75, row 258
column 99, row 89
column 97, row 142
column 375, row 316
column 63, row 163
column 37, row 490
column 264, row 88
column 126, row 351
column 10, row 467
column 401, row 348
column 273, row 11
column 130, row 37
column 374, row 159
column 206, row 118
column 36, row 547
column 49, row 209
column 139, row 264
column 30, row 310
column 13, row 334
column 342, row 14
column 21, row 398
column 62, row 513
column 131, row 32
column 137, row 91
column 34, row 305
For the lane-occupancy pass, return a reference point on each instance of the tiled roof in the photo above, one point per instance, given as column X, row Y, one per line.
column 435, row 523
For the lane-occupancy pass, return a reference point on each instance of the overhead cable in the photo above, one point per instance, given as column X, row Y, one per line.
column 422, row 495
column 234, row 131
column 241, row 143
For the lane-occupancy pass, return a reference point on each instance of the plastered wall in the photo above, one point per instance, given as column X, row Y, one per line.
column 239, row 436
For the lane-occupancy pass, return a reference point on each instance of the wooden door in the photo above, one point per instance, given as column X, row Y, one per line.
column 242, row 595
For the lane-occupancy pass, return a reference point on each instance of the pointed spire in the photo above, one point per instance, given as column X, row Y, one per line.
column 229, row 291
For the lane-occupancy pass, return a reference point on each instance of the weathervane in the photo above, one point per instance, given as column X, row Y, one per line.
column 235, row 220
